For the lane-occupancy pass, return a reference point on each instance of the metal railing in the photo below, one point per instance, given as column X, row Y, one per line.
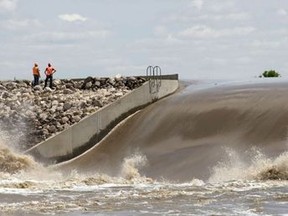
column 154, row 76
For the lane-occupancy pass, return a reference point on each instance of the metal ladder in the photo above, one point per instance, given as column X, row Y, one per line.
column 154, row 76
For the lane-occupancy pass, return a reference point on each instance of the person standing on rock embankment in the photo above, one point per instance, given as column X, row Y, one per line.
column 36, row 75
column 49, row 71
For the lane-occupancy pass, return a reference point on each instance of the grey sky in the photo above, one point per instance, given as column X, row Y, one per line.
column 197, row 39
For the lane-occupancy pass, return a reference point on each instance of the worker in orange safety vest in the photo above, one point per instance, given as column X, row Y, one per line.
column 36, row 74
column 49, row 71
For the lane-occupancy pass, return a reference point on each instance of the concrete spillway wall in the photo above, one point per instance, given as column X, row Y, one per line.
column 90, row 130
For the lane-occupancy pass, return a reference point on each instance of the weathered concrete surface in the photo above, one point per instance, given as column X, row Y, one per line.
column 90, row 130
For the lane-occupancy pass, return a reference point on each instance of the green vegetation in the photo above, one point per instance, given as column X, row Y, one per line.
column 270, row 73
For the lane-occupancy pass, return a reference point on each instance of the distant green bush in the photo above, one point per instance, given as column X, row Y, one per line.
column 270, row 73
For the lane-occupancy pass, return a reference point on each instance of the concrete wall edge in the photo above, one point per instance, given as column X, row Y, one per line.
column 53, row 150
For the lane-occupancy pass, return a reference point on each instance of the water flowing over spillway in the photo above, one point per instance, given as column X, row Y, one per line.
column 199, row 151
column 185, row 136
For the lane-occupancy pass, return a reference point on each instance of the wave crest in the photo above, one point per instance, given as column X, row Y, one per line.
column 11, row 162
column 131, row 165
column 277, row 170
column 255, row 166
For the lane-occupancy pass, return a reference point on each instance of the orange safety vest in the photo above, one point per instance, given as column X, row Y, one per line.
column 36, row 71
column 49, row 71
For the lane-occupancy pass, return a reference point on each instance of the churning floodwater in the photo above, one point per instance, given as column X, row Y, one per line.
column 218, row 149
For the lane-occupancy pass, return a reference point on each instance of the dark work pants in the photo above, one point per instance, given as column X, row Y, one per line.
column 36, row 80
column 50, row 78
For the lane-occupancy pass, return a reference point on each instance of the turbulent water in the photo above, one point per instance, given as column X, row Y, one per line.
column 210, row 149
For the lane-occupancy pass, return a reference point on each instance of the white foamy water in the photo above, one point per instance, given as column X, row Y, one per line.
column 44, row 191
column 254, row 166
column 86, row 197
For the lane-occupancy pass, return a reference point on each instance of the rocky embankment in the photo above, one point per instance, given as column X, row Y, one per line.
column 30, row 115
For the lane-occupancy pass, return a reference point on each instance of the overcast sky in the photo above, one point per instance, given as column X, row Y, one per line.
column 198, row 39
